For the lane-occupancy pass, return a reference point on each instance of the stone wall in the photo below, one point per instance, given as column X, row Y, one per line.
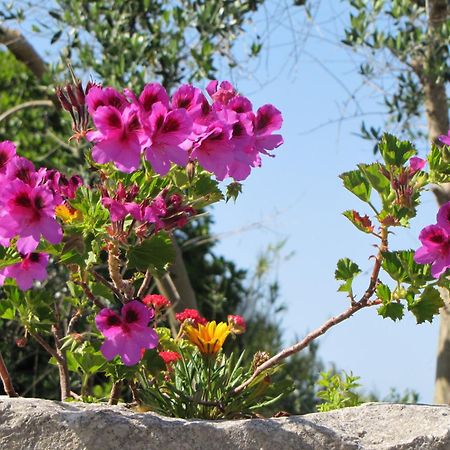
column 33, row 424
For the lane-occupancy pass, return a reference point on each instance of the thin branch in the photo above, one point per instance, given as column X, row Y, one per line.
column 145, row 283
column 30, row 104
column 89, row 294
column 115, row 393
column 355, row 307
column 103, row 280
column 6, row 379
column 64, row 378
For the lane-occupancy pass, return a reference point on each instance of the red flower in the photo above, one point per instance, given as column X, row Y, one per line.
column 156, row 301
column 192, row 315
column 237, row 324
column 169, row 357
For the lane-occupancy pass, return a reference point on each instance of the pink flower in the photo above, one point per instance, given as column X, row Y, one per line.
column 445, row 139
column 268, row 119
column 167, row 131
column 435, row 249
column 118, row 137
column 416, row 164
column 443, row 217
column 98, row 96
column 126, row 334
column 32, row 267
column 214, row 149
column 62, row 186
column 150, row 95
column 189, row 98
column 28, row 212
column 7, row 153
column 23, row 169
column 122, row 203
column 222, row 93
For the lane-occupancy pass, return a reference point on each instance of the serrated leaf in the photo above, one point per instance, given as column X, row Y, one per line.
column 394, row 311
column 155, row 254
column 233, row 190
column 383, row 293
column 363, row 223
column 346, row 270
column 376, row 179
column 439, row 166
column 400, row 265
column 427, row 305
column 394, row 151
column 357, row 184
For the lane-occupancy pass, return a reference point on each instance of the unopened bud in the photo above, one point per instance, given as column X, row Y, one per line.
column 259, row 359
column 21, row 342
column 190, row 170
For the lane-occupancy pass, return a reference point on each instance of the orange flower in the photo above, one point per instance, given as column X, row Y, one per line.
column 208, row 338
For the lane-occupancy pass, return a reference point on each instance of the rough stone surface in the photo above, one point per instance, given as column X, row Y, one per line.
column 32, row 424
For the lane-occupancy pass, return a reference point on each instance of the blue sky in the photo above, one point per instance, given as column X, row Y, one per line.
column 297, row 196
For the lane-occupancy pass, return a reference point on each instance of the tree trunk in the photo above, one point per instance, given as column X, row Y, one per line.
column 23, row 50
column 436, row 108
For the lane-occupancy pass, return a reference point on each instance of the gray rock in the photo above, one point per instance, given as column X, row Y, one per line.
column 33, row 424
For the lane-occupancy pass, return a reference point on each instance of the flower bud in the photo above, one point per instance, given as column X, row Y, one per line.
column 259, row 359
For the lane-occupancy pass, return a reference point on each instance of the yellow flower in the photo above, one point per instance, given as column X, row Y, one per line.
column 66, row 214
column 208, row 338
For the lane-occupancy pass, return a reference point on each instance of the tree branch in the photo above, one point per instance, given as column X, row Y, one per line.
column 30, row 104
column 6, row 379
column 23, row 51
column 355, row 307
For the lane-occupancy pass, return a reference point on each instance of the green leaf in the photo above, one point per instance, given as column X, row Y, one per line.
column 233, row 190
column 394, row 151
column 392, row 311
column 363, row 223
column 383, row 293
column 155, row 254
column 357, row 184
column 427, row 305
column 346, row 270
column 376, row 179
column 439, row 164
column 400, row 265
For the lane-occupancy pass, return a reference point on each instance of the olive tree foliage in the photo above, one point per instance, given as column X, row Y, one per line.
column 406, row 43
column 409, row 42
column 133, row 42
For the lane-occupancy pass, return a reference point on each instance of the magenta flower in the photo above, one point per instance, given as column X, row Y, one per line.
column 443, row 217
column 167, row 130
column 435, row 249
column 127, row 334
column 23, row 169
column 28, row 212
column 32, row 267
column 7, row 153
column 222, row 93
column 150, row 95
column 189, row 98
column 214, row 149
column 268, row 119
column 416, row 164
column 98, row 96
column 445, row 139
column 122, row 203
column 118, row 137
